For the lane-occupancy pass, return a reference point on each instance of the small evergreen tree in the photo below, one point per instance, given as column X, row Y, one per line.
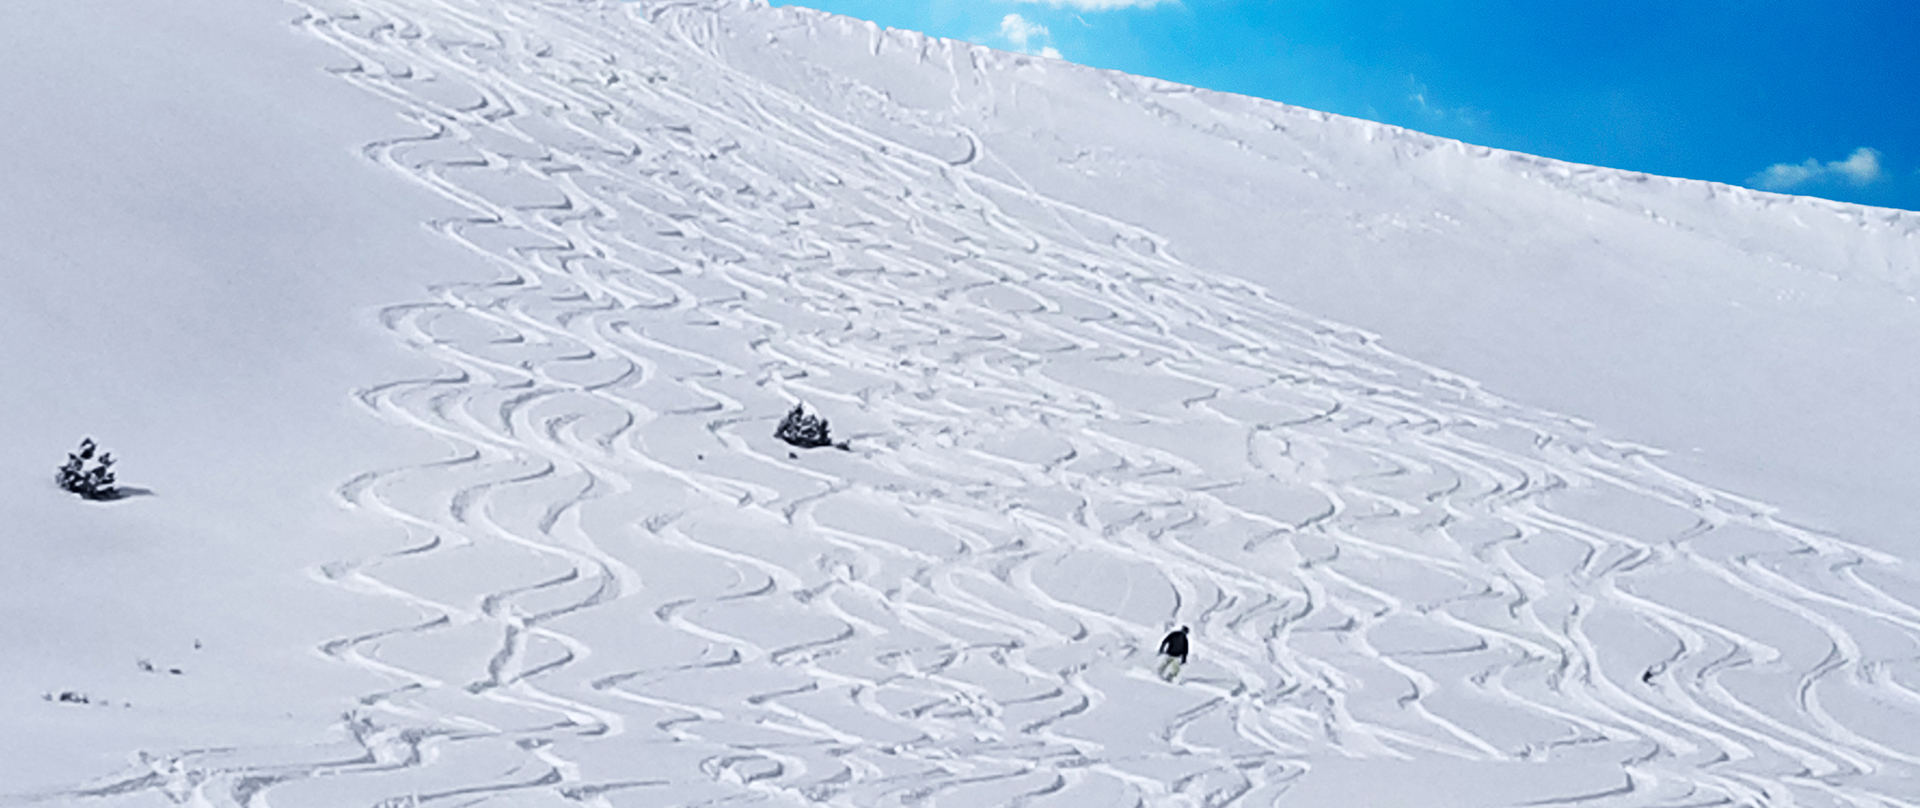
column 94, row 482
column 803, row 429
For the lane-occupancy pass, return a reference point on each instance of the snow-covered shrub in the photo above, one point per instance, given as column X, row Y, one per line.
column 92, row 482
column 804, row 429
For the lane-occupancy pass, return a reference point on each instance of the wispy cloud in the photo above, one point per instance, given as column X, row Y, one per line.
column 1027, row 36
column 1424, row 103
column 1102, row 5
column 1859, row 169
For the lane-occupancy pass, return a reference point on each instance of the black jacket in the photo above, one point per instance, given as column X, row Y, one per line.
column 1175, row 645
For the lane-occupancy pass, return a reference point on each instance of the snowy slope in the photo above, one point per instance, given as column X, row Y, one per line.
column 1069, row 323
column 1712, row 321
column 189, row 239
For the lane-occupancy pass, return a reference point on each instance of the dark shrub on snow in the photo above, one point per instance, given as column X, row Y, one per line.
column 92, row 482
column 801, row 428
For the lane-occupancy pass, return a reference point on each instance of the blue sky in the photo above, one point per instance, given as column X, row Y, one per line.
column 1817, row 98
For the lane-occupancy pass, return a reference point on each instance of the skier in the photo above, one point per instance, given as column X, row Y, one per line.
column 1173, row 654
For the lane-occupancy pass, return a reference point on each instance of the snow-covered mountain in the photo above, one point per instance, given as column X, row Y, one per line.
column 1481, row 479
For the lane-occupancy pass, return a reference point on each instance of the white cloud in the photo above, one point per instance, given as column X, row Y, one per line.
column 1859, row 169
column 1419, row 98
column 1781, row 176
column 1019, row 30
column 1424, row 104
column 1027, row 36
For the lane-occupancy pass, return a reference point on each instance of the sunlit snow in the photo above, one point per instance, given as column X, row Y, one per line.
column 444, row 342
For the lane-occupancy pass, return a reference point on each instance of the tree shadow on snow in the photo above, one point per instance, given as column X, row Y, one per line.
column 123, row 492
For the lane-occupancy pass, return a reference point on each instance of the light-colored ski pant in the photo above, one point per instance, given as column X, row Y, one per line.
column 1169, row 667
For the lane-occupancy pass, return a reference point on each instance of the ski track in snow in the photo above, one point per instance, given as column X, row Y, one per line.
column 629, row 593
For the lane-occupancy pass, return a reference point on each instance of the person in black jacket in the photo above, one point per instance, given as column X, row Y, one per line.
column 1173, row 654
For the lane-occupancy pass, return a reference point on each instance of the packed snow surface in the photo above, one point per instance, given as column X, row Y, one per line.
column 1481, row 479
